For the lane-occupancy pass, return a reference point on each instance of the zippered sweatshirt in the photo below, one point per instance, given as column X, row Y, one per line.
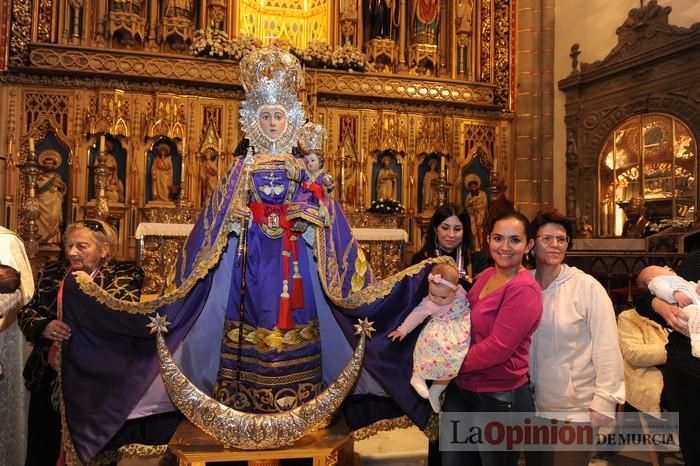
column 575, row 358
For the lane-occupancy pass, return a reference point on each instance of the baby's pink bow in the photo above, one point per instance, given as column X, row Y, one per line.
column 437, row 278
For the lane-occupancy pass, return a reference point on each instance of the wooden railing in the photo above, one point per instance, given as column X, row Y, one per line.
column 617, row 271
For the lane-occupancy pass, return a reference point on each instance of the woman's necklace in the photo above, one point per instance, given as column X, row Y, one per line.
column 458, row 258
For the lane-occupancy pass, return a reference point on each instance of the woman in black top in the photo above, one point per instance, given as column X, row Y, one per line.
column 449, row 234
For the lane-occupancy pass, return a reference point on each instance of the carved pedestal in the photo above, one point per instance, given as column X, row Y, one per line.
column 382, row 53
column 327, row 447
column 420, row 55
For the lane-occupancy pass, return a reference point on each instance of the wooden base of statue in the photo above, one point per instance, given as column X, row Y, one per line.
column 327, row 447
column 423, row 59
column 382, row 54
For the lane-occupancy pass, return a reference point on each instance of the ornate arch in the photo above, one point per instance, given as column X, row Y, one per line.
column 653, row 69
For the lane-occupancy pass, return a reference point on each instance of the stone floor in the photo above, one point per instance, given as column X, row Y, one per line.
column 408, row 447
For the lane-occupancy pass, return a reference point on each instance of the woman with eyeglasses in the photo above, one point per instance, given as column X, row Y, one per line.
column 88, row 248
column 506, row 305
column 575, row 360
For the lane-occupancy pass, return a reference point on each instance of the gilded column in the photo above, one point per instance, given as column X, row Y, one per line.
column 445, row 31
column 402, row 36
column 29, row 211
column 100, row 14
column 153, row 18
column 102, row 173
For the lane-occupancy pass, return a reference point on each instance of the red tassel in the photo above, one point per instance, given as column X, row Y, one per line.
column 285, row 321
column 297, row 288
column 297, row 292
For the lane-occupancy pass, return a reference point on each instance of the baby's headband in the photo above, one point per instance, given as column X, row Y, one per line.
column 437, row 278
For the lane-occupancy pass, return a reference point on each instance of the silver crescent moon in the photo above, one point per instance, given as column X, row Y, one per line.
column 249, row 431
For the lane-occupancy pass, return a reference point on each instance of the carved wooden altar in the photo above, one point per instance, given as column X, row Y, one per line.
column 650, row 74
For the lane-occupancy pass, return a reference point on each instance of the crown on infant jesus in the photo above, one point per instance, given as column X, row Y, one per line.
column 311, row 137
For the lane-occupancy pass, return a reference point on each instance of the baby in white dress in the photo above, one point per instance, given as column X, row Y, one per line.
column 444, row 341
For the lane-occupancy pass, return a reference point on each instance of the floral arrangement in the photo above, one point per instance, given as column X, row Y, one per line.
column 349, row 58
column 321, row 55
column 316, row 54
column 674, row 225
column 386, row 206
column 215, row 43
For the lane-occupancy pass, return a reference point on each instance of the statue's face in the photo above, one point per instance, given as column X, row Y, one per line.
column 49, row 164
column 313, row 164
column 273, row 121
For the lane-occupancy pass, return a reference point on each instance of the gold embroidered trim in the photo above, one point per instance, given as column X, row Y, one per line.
column 266, row 400
column 72, row 458
column 142, row 451
column 384, row 425
column 332, row 284
column 261, row 363
column 432, row 428
column 272, row 381
column 266, row 340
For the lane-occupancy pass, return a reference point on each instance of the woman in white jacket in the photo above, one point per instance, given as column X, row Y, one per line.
column 575, row 360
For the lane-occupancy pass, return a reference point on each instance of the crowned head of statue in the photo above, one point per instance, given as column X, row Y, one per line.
column 271, row 113
column 310, row 138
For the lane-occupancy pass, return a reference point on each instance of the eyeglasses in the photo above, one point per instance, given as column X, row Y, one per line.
column 549, row 239
column 94, row 225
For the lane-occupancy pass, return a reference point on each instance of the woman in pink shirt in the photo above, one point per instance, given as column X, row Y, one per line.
column 506, row 305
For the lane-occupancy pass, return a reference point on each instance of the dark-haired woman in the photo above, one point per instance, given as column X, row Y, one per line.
column 506, row 306
column 449, row 234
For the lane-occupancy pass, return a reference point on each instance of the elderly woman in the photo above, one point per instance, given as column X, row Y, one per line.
column 88, row 246
column 575, row 359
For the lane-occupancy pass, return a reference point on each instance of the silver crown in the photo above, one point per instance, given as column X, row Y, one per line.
column 310, row 137
column 271, row 76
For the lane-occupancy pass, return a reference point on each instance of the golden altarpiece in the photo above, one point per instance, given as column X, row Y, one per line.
column 125, row 123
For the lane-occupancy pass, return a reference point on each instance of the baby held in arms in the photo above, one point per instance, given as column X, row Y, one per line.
column 665, row 284
column 444, row 341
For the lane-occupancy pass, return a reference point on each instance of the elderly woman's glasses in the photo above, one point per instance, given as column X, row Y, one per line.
column 547, row 240
column 94, row 225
